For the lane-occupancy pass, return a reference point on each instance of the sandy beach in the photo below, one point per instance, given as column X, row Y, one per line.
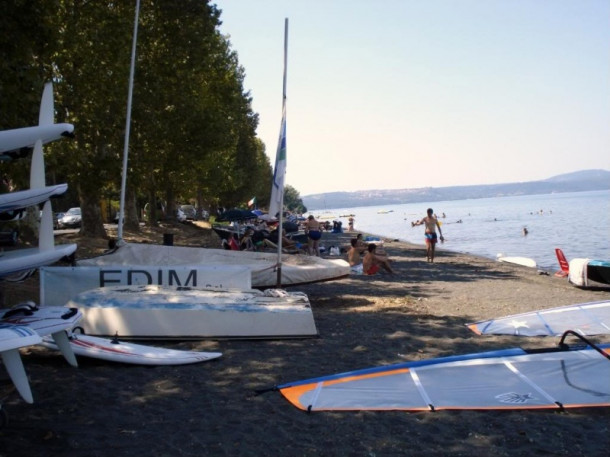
column 212, row 409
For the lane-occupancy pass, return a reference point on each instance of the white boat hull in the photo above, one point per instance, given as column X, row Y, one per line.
column 26, row 259
column 22, row 199
column 155, row 312
column 26, row 137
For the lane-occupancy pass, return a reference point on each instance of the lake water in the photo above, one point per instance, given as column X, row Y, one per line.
column 577, row 222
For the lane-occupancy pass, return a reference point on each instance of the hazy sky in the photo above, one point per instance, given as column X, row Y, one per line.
column 393, row 94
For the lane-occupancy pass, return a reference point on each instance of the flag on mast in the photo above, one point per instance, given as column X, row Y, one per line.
column 277, row 190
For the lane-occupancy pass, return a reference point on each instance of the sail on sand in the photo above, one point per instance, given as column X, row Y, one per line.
column 585, row 318
column 276, row 205
column 507, row 379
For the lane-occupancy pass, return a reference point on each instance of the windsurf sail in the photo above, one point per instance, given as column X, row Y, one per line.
column 563, row 264
column 585, row 318
column 500, row 380
column 276, row 204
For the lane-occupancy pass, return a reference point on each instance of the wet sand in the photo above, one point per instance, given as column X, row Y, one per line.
column 212, row 409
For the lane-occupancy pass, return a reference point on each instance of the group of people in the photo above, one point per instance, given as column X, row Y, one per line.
column 360, row 255
column 373, row 260
column 376, row 259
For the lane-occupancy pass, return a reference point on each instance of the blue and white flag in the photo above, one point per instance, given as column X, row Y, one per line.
column 277, row 188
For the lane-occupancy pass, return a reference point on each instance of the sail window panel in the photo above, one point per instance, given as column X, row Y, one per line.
column 572, row 378
column 389, row 391
column 478, row 384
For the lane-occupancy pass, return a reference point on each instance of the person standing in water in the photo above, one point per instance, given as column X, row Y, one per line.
column 431, row 224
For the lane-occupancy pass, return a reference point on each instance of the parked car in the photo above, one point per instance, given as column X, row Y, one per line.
column 190, row 212
column 205, row 215
column 180, row 216
column 56, row 218
column 71, row 219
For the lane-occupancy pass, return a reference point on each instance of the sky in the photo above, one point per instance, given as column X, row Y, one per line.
column 395, row 94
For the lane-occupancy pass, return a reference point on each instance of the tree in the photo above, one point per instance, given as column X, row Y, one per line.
column 292, row 200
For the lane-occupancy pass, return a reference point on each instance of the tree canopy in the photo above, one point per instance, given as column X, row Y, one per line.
column 193, row 130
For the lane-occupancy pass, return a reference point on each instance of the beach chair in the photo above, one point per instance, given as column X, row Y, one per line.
column 563, row 264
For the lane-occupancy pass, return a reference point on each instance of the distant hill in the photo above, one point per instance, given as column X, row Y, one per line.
column 578, row 181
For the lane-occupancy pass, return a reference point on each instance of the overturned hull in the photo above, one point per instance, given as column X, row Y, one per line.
column 156, row 312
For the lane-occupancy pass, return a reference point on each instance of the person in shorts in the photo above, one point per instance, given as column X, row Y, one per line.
column 372, row 263
column 314, row 234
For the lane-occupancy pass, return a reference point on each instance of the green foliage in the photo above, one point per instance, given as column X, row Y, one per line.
column 292, row 200
column 193, row 131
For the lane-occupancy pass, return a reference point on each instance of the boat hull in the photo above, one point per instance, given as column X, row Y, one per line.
column 155, row 312
column 589, row 273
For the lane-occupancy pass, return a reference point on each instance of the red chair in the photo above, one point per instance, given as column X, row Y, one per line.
column 563, row 264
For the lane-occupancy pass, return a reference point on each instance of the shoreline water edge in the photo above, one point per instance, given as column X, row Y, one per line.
column 214, row 408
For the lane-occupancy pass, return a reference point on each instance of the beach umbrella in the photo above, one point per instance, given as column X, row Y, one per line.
column 236, row 215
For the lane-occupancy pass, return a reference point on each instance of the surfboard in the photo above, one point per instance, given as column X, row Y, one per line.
column 48, row 320
column 13, row 337
column 26, row 259
column 22, row 199
column 14, row 139
column 523, row 261
column 113, row 350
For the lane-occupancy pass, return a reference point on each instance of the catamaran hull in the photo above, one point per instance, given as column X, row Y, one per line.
column 589, row 273
column 155, row 312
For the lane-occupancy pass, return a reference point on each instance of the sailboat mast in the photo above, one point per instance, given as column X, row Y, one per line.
column 282, row 133
column 128, row 124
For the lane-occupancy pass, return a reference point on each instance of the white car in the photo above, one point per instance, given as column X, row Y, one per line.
column 71, row 219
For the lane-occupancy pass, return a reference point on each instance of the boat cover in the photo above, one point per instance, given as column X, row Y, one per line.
column 296, row 269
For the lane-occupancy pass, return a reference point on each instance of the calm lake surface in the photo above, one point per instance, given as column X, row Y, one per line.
column 577, row 222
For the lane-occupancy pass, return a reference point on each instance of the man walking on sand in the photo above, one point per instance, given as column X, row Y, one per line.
column 431, row 224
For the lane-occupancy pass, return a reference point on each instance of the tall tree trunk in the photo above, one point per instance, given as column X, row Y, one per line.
column 132, row 221
column 93, row 225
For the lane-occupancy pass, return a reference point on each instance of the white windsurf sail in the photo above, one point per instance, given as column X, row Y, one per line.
column 585, row 318
column 506, row 379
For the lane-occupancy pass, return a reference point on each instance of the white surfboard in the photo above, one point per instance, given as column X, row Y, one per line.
column 11, row 140
column 523, row 261
column 113, row 350
column 26, row 259
column 13, row 337
column 48, row 320
column 22, row 199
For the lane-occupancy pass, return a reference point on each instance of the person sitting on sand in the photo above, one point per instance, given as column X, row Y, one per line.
column 246, row 243
column 372, row 262
column 431, row 223
column 361, row 245
column 353, row 255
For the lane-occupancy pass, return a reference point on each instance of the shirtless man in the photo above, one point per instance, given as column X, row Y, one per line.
column 372, row 262
column 312, row 227
column 431, row 223
column 353, row 255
